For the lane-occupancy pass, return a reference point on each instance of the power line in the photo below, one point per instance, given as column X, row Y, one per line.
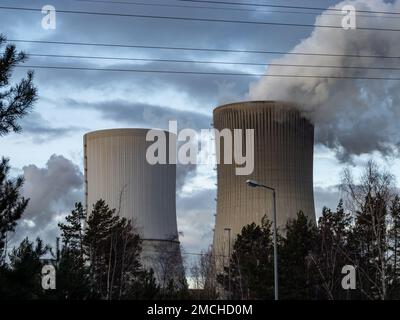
column 285, row 6
column 217, row 8
column 211, row 62
column 202, row 49
column 173, row 18
column 206, row 73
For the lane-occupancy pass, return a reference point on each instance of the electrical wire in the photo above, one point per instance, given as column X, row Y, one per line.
column 285, row 6
column 211, row 62
column 206, row 73
column 221, row 8
column 118, row 45
column 175, row 18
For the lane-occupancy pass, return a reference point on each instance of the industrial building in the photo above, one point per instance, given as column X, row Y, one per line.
column 283, row 160
column 116, row 170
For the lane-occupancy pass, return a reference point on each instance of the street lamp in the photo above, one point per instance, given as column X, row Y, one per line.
column 255, row 184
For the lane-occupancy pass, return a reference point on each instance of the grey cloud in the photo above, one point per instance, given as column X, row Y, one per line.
column 52, row 191
column 196, row 219
column 326, row 197
column 183, row 173
column 204, row 90
column 139, row 114
column 40, row 130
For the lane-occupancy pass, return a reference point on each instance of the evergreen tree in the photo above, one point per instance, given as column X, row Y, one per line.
column 113, row 251
column 72, row 271
column 144, row 287
column 296, row 270
column 17, row 99
column 251, row 264
column 12, row 205
column 23, row 275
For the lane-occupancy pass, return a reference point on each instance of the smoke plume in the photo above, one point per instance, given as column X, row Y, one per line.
column 52, row 192
column 352, row 117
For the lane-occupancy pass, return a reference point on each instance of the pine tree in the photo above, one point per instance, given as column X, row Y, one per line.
column 251, row 264
column 72, row 271
column 15, row 100
column 296, row 270
column 23, row 279
column 144, row 287
column 113, row 251
column 12, row 205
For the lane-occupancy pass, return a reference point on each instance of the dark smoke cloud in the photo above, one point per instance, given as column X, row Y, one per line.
column 352, row 117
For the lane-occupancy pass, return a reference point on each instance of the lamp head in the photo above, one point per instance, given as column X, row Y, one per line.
column 252, row 183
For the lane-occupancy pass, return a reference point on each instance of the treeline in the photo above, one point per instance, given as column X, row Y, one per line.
column 365, row 235
column 100, row 256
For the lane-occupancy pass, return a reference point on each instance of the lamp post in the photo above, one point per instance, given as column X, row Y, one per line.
column 255, row 184
column 229, row 260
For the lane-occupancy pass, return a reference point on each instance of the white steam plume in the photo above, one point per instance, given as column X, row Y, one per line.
column 352, row 117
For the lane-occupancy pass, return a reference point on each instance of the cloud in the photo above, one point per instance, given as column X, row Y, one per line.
column 40, row 131
column 352, row 117
column 52, row 192
column 326, row 197
column 196, row 219
column 142, row 114
column 201, row 92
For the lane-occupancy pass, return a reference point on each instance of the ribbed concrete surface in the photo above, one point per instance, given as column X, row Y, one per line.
column 284, row 142
column 117, row 171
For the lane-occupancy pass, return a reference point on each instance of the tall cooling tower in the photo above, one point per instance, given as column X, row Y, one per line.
column 283, row 159
column 116, row 170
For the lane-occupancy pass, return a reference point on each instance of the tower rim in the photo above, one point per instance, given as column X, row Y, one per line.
column 247, row 103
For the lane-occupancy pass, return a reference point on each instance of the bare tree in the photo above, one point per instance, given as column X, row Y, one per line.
column 202, row 273
column 369, row 201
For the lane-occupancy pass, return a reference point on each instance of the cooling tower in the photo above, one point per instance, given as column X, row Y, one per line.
column 283, row 159
column 116, row 170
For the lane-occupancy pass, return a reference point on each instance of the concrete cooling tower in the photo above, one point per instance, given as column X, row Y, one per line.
column 116, row 170
column 283, row 159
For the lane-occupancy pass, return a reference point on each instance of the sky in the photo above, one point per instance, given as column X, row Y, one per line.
column 354, row 122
